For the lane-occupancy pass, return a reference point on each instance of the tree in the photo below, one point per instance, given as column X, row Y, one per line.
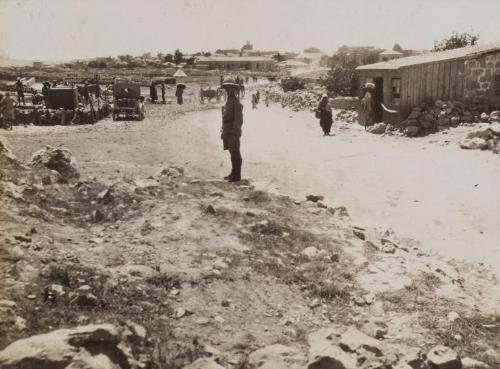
column 278, row 57
column 178, row 57
column 146, row 55
column 160, row 56
column 207, row 54
column 340, row 80
column 169, row 58
column 292, row 84
column 247, row 46
column 398, row 48
column 455, row 41
column 191, row 61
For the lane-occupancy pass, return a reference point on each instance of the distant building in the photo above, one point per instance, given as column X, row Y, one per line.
column 311, row 58
column 251, row 63
column 38, row 65
column 260, row 53
column 389, row 55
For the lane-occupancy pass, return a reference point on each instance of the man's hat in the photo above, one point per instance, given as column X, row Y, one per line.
column 229, row 82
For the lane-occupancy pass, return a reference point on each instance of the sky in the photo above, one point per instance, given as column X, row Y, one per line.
column 69, row 29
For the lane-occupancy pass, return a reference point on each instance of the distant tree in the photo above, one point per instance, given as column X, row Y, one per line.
column 455, row 41
column 169, row 58
column 207, row 54
column 292, row 84
column 160, row 56
column 247, row 46
column 146, row 55
column 397, row 48
column 340, row 80
column 278, row 57
column 178, row 57
column 125, row 58
column 219, row 51
column 191, row 61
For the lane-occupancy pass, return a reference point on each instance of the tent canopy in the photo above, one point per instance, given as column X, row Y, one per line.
column 180, row 73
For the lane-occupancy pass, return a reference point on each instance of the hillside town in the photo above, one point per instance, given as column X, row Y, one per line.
column 253, row 204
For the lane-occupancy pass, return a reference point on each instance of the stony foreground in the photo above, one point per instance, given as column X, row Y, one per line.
column 173, row 271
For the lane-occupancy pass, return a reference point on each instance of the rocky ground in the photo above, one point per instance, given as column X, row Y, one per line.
column 173, row 271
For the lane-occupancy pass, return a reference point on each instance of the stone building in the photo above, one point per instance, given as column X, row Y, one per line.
column 469, row 73
column 249, row 63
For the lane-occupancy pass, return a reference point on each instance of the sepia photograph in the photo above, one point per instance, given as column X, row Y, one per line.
column 249, row 184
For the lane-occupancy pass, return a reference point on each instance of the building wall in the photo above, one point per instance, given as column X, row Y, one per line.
column 455, row 80
column 482, row 77
column 430, row 82
column 242, row 65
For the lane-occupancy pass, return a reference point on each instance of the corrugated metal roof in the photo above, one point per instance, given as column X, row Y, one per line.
column 432, row 57
column 390, row 52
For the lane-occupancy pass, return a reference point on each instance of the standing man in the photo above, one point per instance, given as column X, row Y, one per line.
column 85, row 92
column 7, row 108
column 20, row 91
column 178, row 93
column 152, row 92
column 232, row 120
column 163, row 93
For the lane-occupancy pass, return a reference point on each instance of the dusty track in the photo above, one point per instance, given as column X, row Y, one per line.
column 426, row 188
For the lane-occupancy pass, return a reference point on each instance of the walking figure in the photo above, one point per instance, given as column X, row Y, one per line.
column 324, row 113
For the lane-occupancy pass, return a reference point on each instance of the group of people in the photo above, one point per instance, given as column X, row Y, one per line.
column 7, row 110
column 256, row 99
column 179, row 92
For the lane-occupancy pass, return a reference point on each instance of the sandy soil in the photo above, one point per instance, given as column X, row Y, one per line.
column 427, row 189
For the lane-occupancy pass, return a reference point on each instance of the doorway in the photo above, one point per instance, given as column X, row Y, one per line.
column 379, row 99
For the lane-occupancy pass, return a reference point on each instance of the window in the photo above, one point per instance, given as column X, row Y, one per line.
column 396, row 90
column 497, row 85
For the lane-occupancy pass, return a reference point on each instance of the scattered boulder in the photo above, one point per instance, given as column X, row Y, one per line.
column 84, row 299
column 352, row 340
column 442, row 357
column 276, row 357
column 411, row 131
column 310, row 252
column 315, row 198
column 475, row 143
column 59, row 159
column 90, row 346
column 204, row 363
column 377, row 128
column 324, row 352
column 469, row 363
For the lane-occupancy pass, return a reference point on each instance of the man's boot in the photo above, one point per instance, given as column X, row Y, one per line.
column 236, row 177
column 233, row 165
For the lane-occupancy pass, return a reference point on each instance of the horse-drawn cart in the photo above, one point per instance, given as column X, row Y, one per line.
column 210, row 93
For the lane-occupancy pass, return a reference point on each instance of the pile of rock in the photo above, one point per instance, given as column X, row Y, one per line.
column 296, row 100
column 59, row 159
column 431, row 117
column 348, row 116
column 485, row 137
column 329, row 348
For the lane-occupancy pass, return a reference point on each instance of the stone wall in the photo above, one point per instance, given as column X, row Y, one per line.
column 479, row 76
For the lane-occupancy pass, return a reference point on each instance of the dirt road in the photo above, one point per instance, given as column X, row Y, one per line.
column 427, row 188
